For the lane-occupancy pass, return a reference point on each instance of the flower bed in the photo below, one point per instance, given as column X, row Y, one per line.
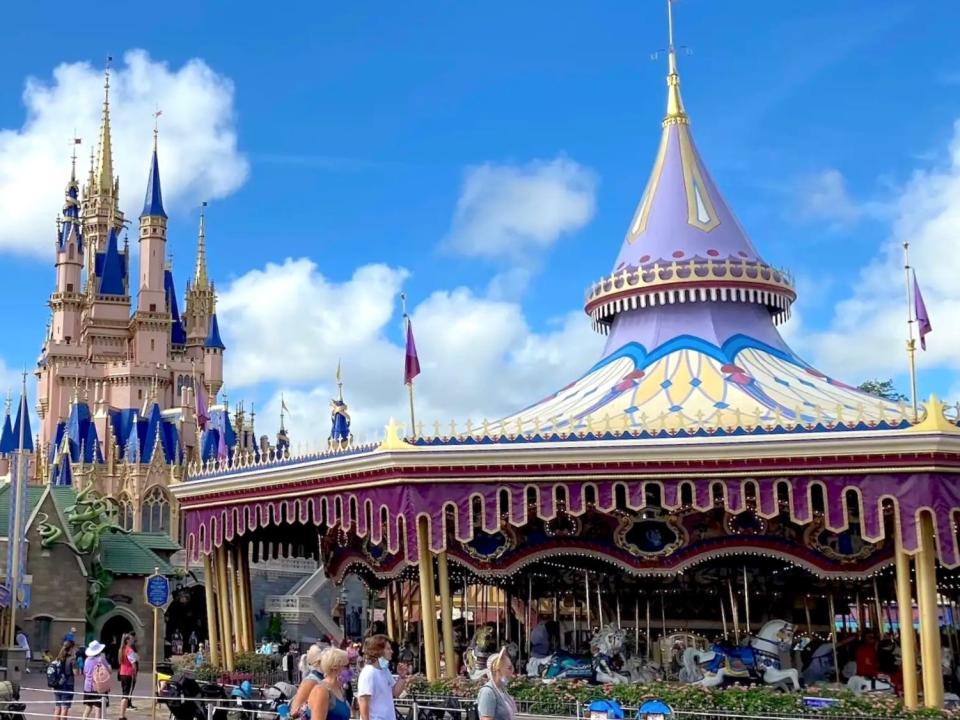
column 562, row 698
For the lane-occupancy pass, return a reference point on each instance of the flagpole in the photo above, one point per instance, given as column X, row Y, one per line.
column 911, row 343
column 410, row 375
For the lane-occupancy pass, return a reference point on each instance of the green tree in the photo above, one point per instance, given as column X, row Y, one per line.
column 882, row 389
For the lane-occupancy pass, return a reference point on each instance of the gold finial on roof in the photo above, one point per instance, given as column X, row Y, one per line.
column 392, row 439
column 935, row 419
column 200, row 272
column 104, row 170
column 675, row 109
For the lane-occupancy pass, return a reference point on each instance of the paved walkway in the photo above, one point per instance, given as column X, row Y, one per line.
column 37, row 697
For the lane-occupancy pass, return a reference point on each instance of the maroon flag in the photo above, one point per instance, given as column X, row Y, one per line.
column 203, row 416
column 411, row 363
column 920, row 314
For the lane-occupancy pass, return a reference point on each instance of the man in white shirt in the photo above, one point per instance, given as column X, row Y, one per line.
column 376, row 687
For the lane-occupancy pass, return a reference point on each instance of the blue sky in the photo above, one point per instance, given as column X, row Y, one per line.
column 357, row 126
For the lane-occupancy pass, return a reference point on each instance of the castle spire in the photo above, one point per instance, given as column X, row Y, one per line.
column 103, row 178
column 153, row 200
column 200, row 272
column 675, row 111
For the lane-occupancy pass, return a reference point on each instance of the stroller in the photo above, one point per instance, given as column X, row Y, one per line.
column 278, row 694
column 181, row 693
column 10, row 706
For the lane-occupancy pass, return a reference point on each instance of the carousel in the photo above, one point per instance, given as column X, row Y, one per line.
column 701, row 504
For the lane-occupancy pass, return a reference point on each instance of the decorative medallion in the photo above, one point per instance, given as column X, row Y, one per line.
column 649, row 535
column 376, row 552
column 847, row 546
column 488, row 547
column 563, row 525
column 745, row 523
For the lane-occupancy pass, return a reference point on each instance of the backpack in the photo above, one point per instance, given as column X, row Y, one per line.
column 56, row 677
column 101, row 679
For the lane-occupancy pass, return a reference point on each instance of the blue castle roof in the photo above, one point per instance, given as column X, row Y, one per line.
column 153, row 202
column 219, row 424
column 83, row 443
column 62, row 472
column 178, row 333
column 213, row 337
column 138, row 437
column 7, row 443
column 111, row 269
column 27, row 434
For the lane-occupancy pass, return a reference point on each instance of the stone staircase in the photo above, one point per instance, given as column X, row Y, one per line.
column 306, row 607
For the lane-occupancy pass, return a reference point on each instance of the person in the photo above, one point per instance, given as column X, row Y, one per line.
column 129, row 664
column 23, row 643
column 865, row 657
column 327, row 701
column 63, row 693
column 312, row 675
column 376, row 687
column 92, row 689
column 493, row 700
column 540, row 639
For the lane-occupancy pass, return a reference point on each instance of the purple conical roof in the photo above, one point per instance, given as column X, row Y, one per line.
column 682, row 215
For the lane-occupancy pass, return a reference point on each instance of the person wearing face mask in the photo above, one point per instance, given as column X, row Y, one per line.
column 493, row 700
column 376, row 687
column 312, row 677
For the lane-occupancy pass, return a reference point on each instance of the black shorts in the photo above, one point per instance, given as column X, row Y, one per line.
column 126, row 686
column 92, row 698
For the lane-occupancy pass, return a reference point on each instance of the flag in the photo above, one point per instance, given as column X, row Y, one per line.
column 411, row 363
column 203, row 416
column 920, row 313
column 283, row 405
column 222, row 443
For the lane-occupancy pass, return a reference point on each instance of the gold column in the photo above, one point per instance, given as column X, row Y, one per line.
column 398, row 610
column 224, row 601
column 428, row 609
column 929, row 616
column 212, row 635
column 235, row 607
column 908, row 650
column 388, row 612
column 446, row 616
column 248, row 592
column 243, row 640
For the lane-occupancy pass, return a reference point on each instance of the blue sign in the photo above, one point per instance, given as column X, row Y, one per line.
column 819, row 703
column 157, row 591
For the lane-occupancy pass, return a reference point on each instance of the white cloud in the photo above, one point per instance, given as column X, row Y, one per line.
column 824, row 196
column 867, row 332
column 513, row 212
column 199, row 159
column 288, row 325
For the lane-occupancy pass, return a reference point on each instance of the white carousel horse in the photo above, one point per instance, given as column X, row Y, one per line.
column 880, row 685
column 643, row 672
column 760, row 658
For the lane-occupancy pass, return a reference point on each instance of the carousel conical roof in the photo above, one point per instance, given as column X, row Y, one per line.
column 691, row 311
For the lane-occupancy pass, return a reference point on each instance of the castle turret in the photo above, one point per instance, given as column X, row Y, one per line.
column 151, row 322
column 200, row 299
column 213, row 357
column 66, row 300
column 101, row 204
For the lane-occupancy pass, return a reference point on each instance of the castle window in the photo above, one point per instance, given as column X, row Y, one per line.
column 152, row 342
column 70, row 252
column 126, row 512
column 69, row 287
column 155, row 515
column 153, row 307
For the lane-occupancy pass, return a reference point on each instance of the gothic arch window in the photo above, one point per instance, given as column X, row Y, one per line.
column 155, row 512
column 126, row 512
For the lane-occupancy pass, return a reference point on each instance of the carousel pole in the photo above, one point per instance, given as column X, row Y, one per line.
column 806, row 611
column 446, row 616
column 586, row 584
column 877, row 605
column 599, row 605
column 636, row 627
column 833, row 637
column 908, row 650
column 649, row 640
column 428, row 611
column 723, row 617
column 746, row 600
column 529, row 614
column 929, row 620
column 496, row 604
column 576, row 639
column 619, row 624
column 735, row 611
column 663, row 615
column 556, row 607
column 209, row 580
column 388, row 612
column 860, row 618
column 398, row 610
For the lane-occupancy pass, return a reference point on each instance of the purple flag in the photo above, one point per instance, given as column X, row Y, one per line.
column 203, row 416
column 222, row 443
column 411, row 363
column 920, row 313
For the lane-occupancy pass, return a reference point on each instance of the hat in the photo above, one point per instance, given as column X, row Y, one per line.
column 95, row 648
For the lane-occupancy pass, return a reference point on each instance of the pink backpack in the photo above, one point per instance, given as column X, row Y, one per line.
column 101, row 679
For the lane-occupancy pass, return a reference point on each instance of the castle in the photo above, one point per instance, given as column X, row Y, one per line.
column 123, row 377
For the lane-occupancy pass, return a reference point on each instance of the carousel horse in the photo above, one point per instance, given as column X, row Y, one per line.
column 475, row 658
column 643, row 672
column 759, row 659
column 606, row 644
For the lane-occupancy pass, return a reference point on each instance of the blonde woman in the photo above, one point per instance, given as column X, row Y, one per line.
column 493, row 700
column 314, row 675
column 326, row 700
